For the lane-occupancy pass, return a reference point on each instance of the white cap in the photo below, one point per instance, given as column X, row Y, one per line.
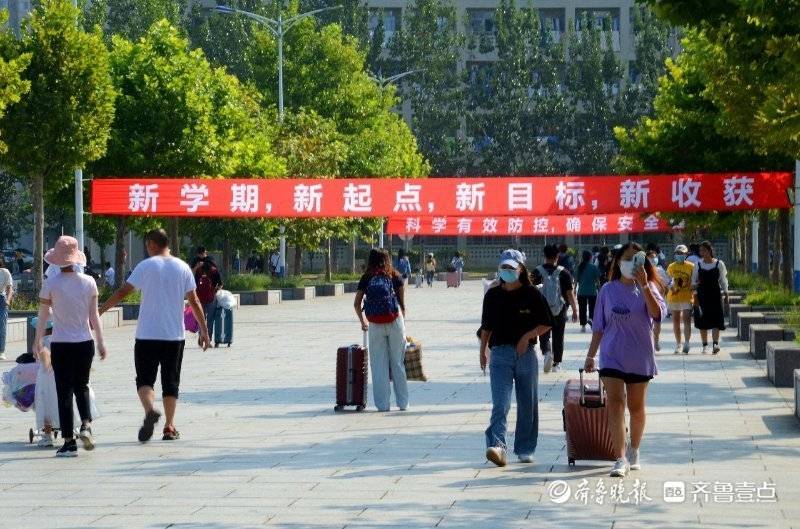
column 681, row 248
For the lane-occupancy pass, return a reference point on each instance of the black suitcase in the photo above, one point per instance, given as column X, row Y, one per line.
column 352, row 373
column 223, row 327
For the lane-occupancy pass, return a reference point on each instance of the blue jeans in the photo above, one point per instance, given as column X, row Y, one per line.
column 508, row 369
column 387, row 350
column 3, row 322
column 210, row 312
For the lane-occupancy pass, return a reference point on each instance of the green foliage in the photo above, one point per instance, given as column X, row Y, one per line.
column 772, row 296
column 16, row 210
column 100, row 229
column 250, row 282
column 130, row 18
column 24, row 301
column 12, row 84
column 63, row 121
column 746, row 281
column 106, row 292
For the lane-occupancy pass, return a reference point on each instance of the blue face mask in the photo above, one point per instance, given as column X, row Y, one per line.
column 508, row 276
column 680, row 258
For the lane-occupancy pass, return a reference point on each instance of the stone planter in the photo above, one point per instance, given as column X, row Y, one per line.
column 329, row 289
column 15, row 329
column 441, row 276
column 773, row 311
column 130, row 311
column 350, row 287
column 797, row 393
column 760, row 334
column 733, row 311
column 298, row 293
column 259, row 297
column 782, row 360
column 745, row 320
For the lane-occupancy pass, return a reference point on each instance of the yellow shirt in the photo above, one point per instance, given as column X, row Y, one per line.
column 681, row 274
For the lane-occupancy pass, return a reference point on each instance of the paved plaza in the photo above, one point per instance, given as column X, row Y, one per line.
column 261, row 445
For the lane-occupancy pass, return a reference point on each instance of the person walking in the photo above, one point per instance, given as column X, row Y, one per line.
column 380, row 307
column 710, row 284
column 588, row 279
column 72, row 298
column 622, row 330
column 165, row 282
column 556, row 284
column 566, row 260
column 603, row 263
column 679, row 297
column 109, row 275
column 209, row 282
column 6, row 295
column 653, row 256
column 430, row 269
column 515, row 314
column 404, row 266
column 458, row 265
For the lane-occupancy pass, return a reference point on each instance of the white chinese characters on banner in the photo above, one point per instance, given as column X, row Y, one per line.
column 738, row 190
column 193, row 196
column 685, row 191
column 515, row 225
column 520, row 197
column 469, row 197
column 464, row 225
column 570, row 195
column 625, row 223
column 439, row 224
column 358, row 198
column 574, row 224
column 308, row 198
column 412, row 225
column 408, row 198
column 599, row 224
column 143, row 198
column 489, row 225
column 244, row 198
column 651, row 223
column 541, row 225
column 634, row 194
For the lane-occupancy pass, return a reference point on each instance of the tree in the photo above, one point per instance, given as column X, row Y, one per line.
column 12, row 84
column 63, row 121
column 178, row 116
column 428, row 42
column 129, row 18
column 16, row 211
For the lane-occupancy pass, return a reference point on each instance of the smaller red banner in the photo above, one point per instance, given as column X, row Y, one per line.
column 527, row 226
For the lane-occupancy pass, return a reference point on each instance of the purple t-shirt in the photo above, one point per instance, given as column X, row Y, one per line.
column 621, row 315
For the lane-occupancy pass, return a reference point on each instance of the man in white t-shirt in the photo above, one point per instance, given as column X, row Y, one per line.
column 165, row 281
column 109, row 275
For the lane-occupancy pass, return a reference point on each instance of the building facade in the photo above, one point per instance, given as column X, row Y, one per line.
column 17, row 10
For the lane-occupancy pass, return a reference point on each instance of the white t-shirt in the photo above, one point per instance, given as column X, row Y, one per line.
column 72, row 298
column 723, row 273
column 109, row 276
column 164, row 282
column 5, row 281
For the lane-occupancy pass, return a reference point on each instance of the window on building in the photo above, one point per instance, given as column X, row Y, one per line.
column 553, row 21
column 481, row 74
column 481, row 21
column 390, row 18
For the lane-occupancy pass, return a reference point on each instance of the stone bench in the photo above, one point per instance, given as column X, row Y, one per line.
column 350, row 287
column 733, row 311
column 298, row 293
column 797, row 393
column 260, row 297
column 15, row 329
column 329, row 289
column 782, row 359
column 744, row 321
column 761, row 333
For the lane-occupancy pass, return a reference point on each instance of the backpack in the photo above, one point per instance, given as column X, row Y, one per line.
column 205, row 290
column 551, row 288
column 380, row 301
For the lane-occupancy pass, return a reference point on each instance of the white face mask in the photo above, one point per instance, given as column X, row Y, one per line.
column 654, row 261
column 626, row 269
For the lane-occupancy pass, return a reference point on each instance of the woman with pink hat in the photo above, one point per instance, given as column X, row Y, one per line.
column 72, row 298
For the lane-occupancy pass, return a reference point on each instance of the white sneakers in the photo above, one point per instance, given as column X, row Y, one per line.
column 633, row 459
column 46, row 440
column 620, row 468
column 497, row 455
column 705, row 348
column 555, row 368
column 583, row 328
column 548, row 362
column 715, row 349
column 686, row 348
column 525, row 458
column 2, row 356
column 677, row 348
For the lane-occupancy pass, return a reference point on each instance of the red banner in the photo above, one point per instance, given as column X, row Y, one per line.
column 453, row 197
column 527, row 226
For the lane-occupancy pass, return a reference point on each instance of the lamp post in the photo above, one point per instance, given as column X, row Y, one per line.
column 78, row 191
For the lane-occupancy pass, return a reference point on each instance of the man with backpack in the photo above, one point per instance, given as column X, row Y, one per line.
column 555, row 283
column 209, row 281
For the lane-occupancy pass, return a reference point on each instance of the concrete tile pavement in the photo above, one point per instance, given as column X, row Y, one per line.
column 261, row 445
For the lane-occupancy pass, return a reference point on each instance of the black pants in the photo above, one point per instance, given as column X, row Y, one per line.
column 71, row 365
column 148, row 355
column 583, row 303
column 553, row 340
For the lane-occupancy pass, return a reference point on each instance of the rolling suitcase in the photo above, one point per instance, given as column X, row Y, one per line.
column 453, row 279
column 223, row 327
column 586, row 421
column 352, row 370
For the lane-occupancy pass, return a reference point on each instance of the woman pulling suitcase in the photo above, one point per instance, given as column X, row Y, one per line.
column 515, row 314
column 627, row 306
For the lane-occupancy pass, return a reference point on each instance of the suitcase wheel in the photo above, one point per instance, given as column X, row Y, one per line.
column 338, row 408
column 216, row 345
column 229, row 345
column 30, row 436
column 571, row 462
column 359, row 408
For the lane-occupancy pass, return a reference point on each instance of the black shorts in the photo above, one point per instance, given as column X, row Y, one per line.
column 148, row 355
column 628, row 378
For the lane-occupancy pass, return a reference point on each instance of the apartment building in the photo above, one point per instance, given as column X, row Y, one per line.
column 17, row 10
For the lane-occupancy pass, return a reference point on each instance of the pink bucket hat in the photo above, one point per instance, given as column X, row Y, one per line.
column 65, row 253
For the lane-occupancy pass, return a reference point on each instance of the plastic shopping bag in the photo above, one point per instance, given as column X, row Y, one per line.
column 189, row 321
column 226, row 299
column 19, row 386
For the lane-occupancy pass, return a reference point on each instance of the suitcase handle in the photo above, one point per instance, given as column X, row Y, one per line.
column 592, row 403
column 364, row 341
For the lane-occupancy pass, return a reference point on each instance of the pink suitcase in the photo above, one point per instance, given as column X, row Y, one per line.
column 453, row 279
column 586, row 421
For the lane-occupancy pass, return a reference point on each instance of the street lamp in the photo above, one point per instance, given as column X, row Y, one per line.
column 278, row 28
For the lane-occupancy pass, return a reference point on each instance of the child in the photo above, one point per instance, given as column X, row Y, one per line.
column 46, row 399
column 419, row 279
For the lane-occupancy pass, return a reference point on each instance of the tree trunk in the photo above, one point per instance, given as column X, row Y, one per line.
column 746, row 246
column 785, row 227
column 328, row 269
column 227, row 261
column 774, row 269
column 335, row 257
column 119, row 254
column 37, row 195
column 353, row 245
column 298, row 261
column 174, row 238
column 763, row 243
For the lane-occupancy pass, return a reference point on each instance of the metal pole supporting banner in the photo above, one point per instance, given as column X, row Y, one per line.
column 754, row 252
column 79, row 207
column 280, row 66
column 380, row 236
column 796, row 226
column 282, row 253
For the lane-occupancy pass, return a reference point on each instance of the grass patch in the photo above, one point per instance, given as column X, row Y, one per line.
column 746, row 281
column 105, row 292
column 792, row 320
column 248, row 282
column 24, row 301
column 772, row 296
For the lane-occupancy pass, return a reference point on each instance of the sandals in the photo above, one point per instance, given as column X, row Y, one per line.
column 171, row 434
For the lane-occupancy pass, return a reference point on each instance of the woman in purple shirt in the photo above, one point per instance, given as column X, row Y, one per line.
column 627, row 307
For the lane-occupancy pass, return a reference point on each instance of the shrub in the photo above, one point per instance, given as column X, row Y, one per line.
column 105, row 292
column 245, row 282
column 745, row 281
column 772, row 296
